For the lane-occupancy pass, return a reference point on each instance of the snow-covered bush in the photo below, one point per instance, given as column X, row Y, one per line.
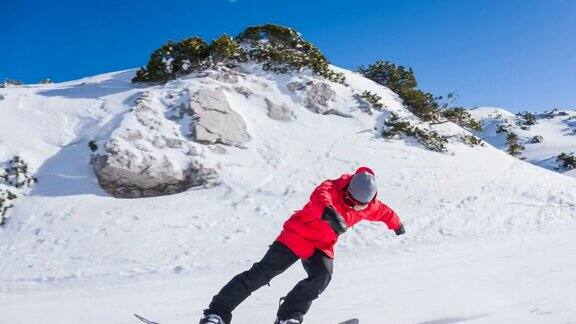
column 279, row 49
column 10, row 82
column 526, row 119
column 373, row 99
column 424, row 105
column 174, row 59
column 282, row 50
column 402, row 81
column 6, row 202
column 471, row 140
column 514, row 146
column 462, row 118
column 503, row 128
column 46, row 81
column 14, row 178
column 537, row 139
column 16, row 174
column 394, row 125
column 549, row 114
column 553, row 113
column 431, row 139
column 567, row 161
column 225, row 48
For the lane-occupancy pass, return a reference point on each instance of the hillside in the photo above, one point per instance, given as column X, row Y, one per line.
column 545, row 138
column 487, row 233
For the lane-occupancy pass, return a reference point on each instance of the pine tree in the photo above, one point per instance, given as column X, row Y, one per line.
column 282, row 50
column 189, row 54
column 373, row 99
column 396, row 78
column 461, row 117
column 402, row 81
column 394, row 125
column 173, row 59
column 526, row 119
column 537, row 139
column 279, row 49
column 431, row 139
column 157, row 69
column 225, row 48
column 514, row 146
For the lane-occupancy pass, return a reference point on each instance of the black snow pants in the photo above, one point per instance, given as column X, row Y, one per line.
column 277, row 259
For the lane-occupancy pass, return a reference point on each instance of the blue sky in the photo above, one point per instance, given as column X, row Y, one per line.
column 520, row 55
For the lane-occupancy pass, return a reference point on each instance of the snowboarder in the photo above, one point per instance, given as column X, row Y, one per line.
column 309, row 235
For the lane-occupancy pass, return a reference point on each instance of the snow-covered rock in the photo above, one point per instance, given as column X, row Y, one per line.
column 148, row 156
column 119, row 176
column 317, row 95
column 212, row 119
column 279, row 112
column 243, row 91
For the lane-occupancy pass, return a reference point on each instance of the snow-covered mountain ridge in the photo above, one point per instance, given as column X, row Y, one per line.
column 299, row 129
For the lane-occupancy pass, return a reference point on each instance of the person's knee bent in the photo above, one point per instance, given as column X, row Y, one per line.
column 258, row 275
column 322, row 280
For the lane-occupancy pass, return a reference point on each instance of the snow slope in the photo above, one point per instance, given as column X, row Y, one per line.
column 556, row 128
column 488, row 234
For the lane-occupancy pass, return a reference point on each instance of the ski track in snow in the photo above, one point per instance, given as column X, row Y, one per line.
column 488, row 236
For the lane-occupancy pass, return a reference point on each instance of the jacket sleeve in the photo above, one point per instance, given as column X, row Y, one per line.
column 385, row 214
column 319, row 199
column 321, row 196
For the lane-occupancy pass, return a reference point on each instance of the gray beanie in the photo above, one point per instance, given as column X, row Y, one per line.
column 362, row 187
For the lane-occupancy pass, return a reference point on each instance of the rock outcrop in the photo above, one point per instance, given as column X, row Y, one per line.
column 213, row 121
column 279, row 112
column 120, row 176
column 243, row 91
column 316, row 97
column 148, row 156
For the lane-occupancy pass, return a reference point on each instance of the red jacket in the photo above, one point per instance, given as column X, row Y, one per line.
column 305, row 231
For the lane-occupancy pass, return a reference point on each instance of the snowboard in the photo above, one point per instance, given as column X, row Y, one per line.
column 351, row 321
column 147, row 321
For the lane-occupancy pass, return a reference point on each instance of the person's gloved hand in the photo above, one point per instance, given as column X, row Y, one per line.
column 335, row 220
column 400, row 230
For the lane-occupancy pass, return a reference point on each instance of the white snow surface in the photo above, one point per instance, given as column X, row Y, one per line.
column 490, row 238
column 558, row 132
